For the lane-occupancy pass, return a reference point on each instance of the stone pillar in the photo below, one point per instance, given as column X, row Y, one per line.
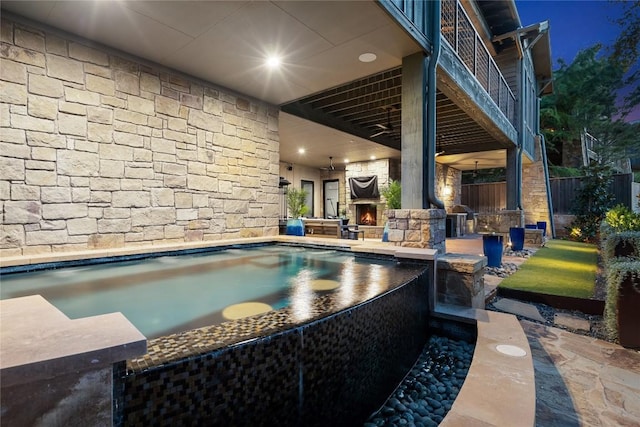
column 413, row 104
column 460, row 280
column 418, row 228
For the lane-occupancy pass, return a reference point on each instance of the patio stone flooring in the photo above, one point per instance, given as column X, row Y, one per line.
column 580, row 380
column 583, row 381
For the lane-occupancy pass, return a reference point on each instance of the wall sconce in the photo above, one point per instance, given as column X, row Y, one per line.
column 447, row 190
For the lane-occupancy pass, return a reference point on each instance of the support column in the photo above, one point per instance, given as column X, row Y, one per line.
column 512, row 178
column 413, row 104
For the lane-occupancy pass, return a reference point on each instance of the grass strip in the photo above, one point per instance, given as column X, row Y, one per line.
column 561, row 267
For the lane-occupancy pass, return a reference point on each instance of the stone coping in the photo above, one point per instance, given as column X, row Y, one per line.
column 500, row 388
column 463, row 263
column 38, row 341
column 380, row 248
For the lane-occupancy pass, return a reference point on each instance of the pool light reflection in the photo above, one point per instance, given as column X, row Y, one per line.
column 347, row 282
column 377, row 276
column 302, row 296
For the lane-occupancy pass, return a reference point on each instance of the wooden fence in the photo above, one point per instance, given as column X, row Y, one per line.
column 492, row 197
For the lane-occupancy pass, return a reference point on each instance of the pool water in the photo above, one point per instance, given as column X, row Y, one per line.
column 170, row 294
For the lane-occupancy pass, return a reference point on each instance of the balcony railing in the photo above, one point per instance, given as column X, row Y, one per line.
column 590, row 152
column 457, row 30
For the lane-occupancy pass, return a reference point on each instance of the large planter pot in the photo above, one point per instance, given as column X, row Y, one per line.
column 295, row 227
column 542, row 225
column 492, row 246
column 628, row 315
column 516, row 235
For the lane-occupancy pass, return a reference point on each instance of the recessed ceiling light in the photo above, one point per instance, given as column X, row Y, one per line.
column 273, row 62
column 301, row 150
column 368, row 57
column 346, row 160
column 373, row 157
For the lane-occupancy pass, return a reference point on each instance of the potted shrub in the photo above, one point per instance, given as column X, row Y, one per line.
column 620, row 246
column 392, row 194
column 296, row 198
column 623, row 299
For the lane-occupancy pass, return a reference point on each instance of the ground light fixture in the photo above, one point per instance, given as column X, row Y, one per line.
column 511, row 350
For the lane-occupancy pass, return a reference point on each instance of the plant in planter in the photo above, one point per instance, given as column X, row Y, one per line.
column 296, row 198
column 622, row 317
column 392, row 194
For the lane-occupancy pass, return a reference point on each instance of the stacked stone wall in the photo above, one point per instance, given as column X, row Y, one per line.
column 534, row 190
column 449, row 185
column 101, row 150
column 418, row 228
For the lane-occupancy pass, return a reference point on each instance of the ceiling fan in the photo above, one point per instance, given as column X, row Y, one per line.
column 331, row 167
column 385, row 128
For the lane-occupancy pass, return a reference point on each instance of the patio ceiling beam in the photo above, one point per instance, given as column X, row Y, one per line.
column 306, row 112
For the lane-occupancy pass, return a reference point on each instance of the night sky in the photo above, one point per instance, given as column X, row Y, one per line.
column 574, row 25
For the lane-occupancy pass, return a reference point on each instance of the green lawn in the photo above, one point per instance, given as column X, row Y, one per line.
column 560, row 268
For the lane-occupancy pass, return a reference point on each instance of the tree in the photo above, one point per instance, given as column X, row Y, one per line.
column 626, row 48
column 591, row 203
column 586, row 97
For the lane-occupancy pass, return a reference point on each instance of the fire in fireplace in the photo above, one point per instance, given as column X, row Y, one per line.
column 366, row 214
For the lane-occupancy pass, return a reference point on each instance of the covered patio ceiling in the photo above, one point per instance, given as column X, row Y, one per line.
column 321, row 78
column 361, row 109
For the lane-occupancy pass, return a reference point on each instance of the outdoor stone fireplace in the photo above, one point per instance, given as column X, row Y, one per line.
column 370, row 211
column 366, row 214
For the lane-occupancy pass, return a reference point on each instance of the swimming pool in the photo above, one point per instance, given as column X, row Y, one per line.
column 169, row 294
column 350, row 328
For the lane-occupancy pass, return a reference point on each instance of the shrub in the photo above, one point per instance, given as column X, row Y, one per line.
column 625, row 244
column 392, row 194
column 592, row 201
column 621, row 218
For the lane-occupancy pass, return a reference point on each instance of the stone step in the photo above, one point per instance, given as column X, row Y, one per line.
column 519, row 308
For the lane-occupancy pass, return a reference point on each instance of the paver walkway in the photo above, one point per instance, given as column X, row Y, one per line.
column 580, row 380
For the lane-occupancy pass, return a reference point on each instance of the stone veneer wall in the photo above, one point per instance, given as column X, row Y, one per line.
column 534, row 189
column 99, row 150
column 451, row 178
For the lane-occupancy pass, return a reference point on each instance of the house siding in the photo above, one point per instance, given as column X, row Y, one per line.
column 507, row 62
column 99, row 149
